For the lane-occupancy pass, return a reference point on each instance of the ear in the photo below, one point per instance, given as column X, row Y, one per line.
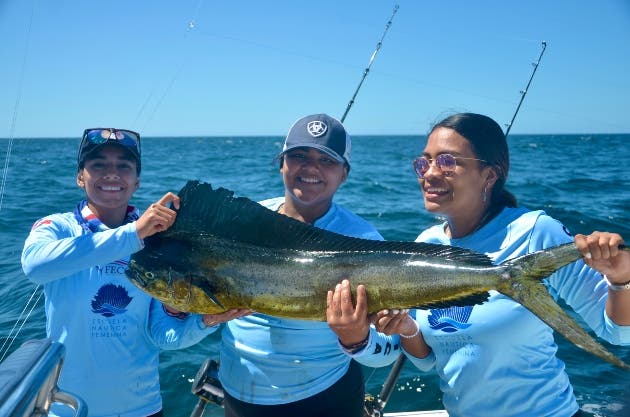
column 80, row 181
column 344, row 177
column 491, row 177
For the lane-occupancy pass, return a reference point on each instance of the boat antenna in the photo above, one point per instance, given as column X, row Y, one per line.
column 375, row 406
column 367, row 69
column 524, row 92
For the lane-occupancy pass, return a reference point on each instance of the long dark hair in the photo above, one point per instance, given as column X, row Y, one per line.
column 488, row 143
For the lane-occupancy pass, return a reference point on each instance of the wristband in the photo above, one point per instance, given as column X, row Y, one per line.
column 357, row 347
column 617, row 287
column 411, row 336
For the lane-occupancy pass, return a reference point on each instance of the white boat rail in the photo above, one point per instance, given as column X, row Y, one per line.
column 28, row 381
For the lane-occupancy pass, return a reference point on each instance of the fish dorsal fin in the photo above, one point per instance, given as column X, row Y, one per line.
column 219, row 213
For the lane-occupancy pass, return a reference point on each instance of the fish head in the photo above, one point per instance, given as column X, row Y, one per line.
column 162, row 271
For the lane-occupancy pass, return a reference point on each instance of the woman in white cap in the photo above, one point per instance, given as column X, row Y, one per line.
column 283, row 367
column 111, row 330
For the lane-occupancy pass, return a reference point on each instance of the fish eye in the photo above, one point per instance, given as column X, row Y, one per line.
column 149, row 275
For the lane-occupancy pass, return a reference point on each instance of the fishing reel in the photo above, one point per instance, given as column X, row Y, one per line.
column 207, row 387
column 372, row 407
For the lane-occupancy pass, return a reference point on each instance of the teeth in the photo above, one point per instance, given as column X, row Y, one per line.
column 309, row 180
column 436, row 190
column 111, row 188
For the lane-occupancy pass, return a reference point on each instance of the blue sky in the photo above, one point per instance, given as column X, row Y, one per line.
column 231, row 68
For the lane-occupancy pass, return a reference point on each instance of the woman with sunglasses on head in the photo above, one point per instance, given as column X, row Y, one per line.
column 111, row 330
column 272, row 366
column 497, row 358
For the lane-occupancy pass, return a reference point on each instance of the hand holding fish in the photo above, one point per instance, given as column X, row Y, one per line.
column 395, row 321
column 211, row 320
column 350, row 323
column 158, row 217
column 602, row 252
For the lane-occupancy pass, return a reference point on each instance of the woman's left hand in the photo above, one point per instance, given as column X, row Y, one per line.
column 394, row 321
column 348, row 321
column 601, row 252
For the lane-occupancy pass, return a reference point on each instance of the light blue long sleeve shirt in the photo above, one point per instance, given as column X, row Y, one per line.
column 112, row 331
column 498, row 357
column 270, row 360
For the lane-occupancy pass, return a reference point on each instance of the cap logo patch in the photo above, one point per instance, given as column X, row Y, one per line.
column 316, row 128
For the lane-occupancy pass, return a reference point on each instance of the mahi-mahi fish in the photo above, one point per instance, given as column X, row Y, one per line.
column 227, row 252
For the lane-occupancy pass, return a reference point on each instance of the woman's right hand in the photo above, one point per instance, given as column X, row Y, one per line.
column 158, row 217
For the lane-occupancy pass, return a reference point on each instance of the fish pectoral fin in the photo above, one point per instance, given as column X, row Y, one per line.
column 204, row 284
column 215, row 301
column 535, row 297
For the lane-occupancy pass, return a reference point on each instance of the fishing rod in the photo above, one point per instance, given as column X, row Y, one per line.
column 524, row 92
column 367, row 69
column 374, row 406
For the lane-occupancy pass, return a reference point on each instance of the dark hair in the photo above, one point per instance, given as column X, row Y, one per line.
column 488, row 142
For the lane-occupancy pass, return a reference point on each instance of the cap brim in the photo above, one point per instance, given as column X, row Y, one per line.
column 322, row 148
column 90, row 149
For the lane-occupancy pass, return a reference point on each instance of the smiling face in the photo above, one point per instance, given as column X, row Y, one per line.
column 457, row 195
column 311, row 178
column 109, row 179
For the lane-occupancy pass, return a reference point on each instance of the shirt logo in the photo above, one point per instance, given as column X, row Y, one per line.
column 450, row 320
column 41, row 223
column 316, row 128
column 111, row 300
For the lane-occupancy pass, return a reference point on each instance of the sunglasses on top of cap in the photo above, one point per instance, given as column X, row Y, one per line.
column 445, row 162
column 124, row 137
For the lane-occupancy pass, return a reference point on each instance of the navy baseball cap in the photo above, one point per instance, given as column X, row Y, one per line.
column 95, row 138
column 320, row 131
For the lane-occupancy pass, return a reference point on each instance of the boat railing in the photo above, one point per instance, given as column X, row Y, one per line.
column 28, row 381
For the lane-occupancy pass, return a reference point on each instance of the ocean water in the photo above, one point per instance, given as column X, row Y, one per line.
column 578, row 179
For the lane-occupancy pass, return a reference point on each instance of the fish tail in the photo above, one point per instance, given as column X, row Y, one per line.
column 522, row 281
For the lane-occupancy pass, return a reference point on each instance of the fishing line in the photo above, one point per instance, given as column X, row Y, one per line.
column 14, row 334
column 367, row 69
column 12, row 337
column 16, row 107
column 190, row 27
